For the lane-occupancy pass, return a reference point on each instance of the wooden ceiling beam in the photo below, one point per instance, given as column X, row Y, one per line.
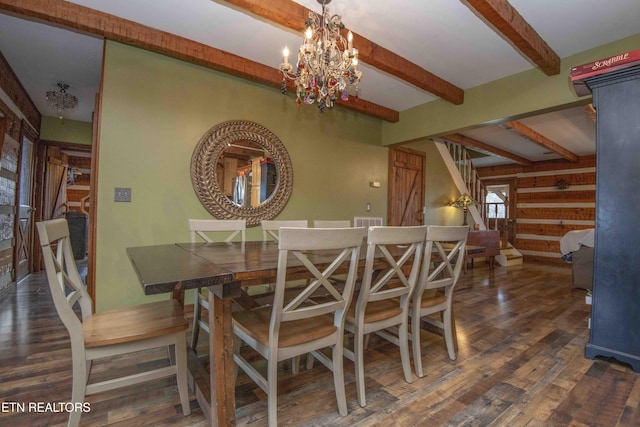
column 84, row 19
column 506, row 20
column 474, row 143
column 542, row 140
column 290, row 14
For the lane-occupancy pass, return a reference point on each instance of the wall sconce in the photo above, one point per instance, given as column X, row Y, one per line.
column 463, row 202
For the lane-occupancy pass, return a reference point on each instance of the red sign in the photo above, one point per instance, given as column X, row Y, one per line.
column 606, row 65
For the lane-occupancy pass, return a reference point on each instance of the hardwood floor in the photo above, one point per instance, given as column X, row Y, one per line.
column 521, row 334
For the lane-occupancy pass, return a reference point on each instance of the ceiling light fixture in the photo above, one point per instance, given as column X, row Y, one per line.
column 61, row 101
column 327, row 62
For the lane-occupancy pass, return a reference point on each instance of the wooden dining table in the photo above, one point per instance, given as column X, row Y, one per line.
column 225, row 269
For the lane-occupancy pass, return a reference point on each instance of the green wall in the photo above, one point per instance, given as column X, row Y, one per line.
column 54, row 129
column 155, row 110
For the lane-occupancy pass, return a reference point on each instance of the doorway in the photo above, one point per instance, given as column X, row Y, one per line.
column 499, row 208
column 24, row 224
column 406, row 187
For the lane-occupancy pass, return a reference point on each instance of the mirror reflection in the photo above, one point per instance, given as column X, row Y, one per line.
column 241, row 170
column 246, row 173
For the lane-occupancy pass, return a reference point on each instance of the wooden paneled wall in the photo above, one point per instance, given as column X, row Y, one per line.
column 8, row 187
column 544, row 211
column 18, row 116
column 12, row 87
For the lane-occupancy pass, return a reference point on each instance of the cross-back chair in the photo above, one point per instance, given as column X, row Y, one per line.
column 109, row 333
column 207, row 230
column 443, row 260
column 382, row 302
column 296, row 325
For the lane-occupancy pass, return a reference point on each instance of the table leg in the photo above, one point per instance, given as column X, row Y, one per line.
column 178, row 294
column 222, row 379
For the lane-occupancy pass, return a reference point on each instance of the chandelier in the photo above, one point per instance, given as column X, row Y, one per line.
column 61, row 101
column 326, row 65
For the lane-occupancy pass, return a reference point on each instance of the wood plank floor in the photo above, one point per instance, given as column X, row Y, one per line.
column 521, row 332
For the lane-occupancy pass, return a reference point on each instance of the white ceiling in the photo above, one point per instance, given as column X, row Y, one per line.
column 442, row 36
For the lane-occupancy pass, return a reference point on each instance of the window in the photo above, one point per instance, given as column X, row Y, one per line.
column 496, row 201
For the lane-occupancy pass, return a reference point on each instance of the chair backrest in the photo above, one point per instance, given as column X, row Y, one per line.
column 271, row 228
column 367, row 221
column 206, row 228
column 301, row 244
column 319, row 223
column 443, row 258
column 400, row 247
column 65, row 283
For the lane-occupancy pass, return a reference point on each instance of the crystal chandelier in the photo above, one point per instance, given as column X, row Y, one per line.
column 326, row 65
column 61, row 101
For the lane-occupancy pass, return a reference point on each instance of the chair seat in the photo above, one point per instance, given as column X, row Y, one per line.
column 134, row 323
column 432, row 299
column 376, row 311
column 256, row 324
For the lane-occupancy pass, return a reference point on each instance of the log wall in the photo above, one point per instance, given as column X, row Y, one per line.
column 545, row 212
column 18, row 116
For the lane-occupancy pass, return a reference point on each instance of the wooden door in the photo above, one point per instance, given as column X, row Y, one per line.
column 55, row 184
column 24, row 225
column 406, row 187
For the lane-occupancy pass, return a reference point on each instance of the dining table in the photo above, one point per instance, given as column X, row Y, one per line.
column 226, row 269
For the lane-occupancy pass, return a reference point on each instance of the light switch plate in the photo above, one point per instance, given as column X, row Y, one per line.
column 122, row 194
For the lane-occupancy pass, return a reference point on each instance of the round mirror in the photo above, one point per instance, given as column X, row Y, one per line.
column 241, row 170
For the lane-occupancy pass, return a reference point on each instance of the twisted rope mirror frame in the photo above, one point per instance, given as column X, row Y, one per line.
column 203, row 171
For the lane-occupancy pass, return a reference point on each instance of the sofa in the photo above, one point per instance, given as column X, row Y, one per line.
column 576, row 248
column 582, row 267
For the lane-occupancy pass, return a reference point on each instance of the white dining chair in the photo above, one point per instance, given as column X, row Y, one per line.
column 210, row 230
column 271, row 231
column 320, row 223
column 112, row 332
column 433, row 294
column 300, row 325
column 271, row 228
column 382, row 302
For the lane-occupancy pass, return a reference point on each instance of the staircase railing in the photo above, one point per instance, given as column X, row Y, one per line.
column 469, row 178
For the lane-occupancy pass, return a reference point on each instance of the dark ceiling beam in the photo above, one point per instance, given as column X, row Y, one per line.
column 474, row 143
column 542, row 140
column 507, row 21
column 84, row 19
column 291, row 15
